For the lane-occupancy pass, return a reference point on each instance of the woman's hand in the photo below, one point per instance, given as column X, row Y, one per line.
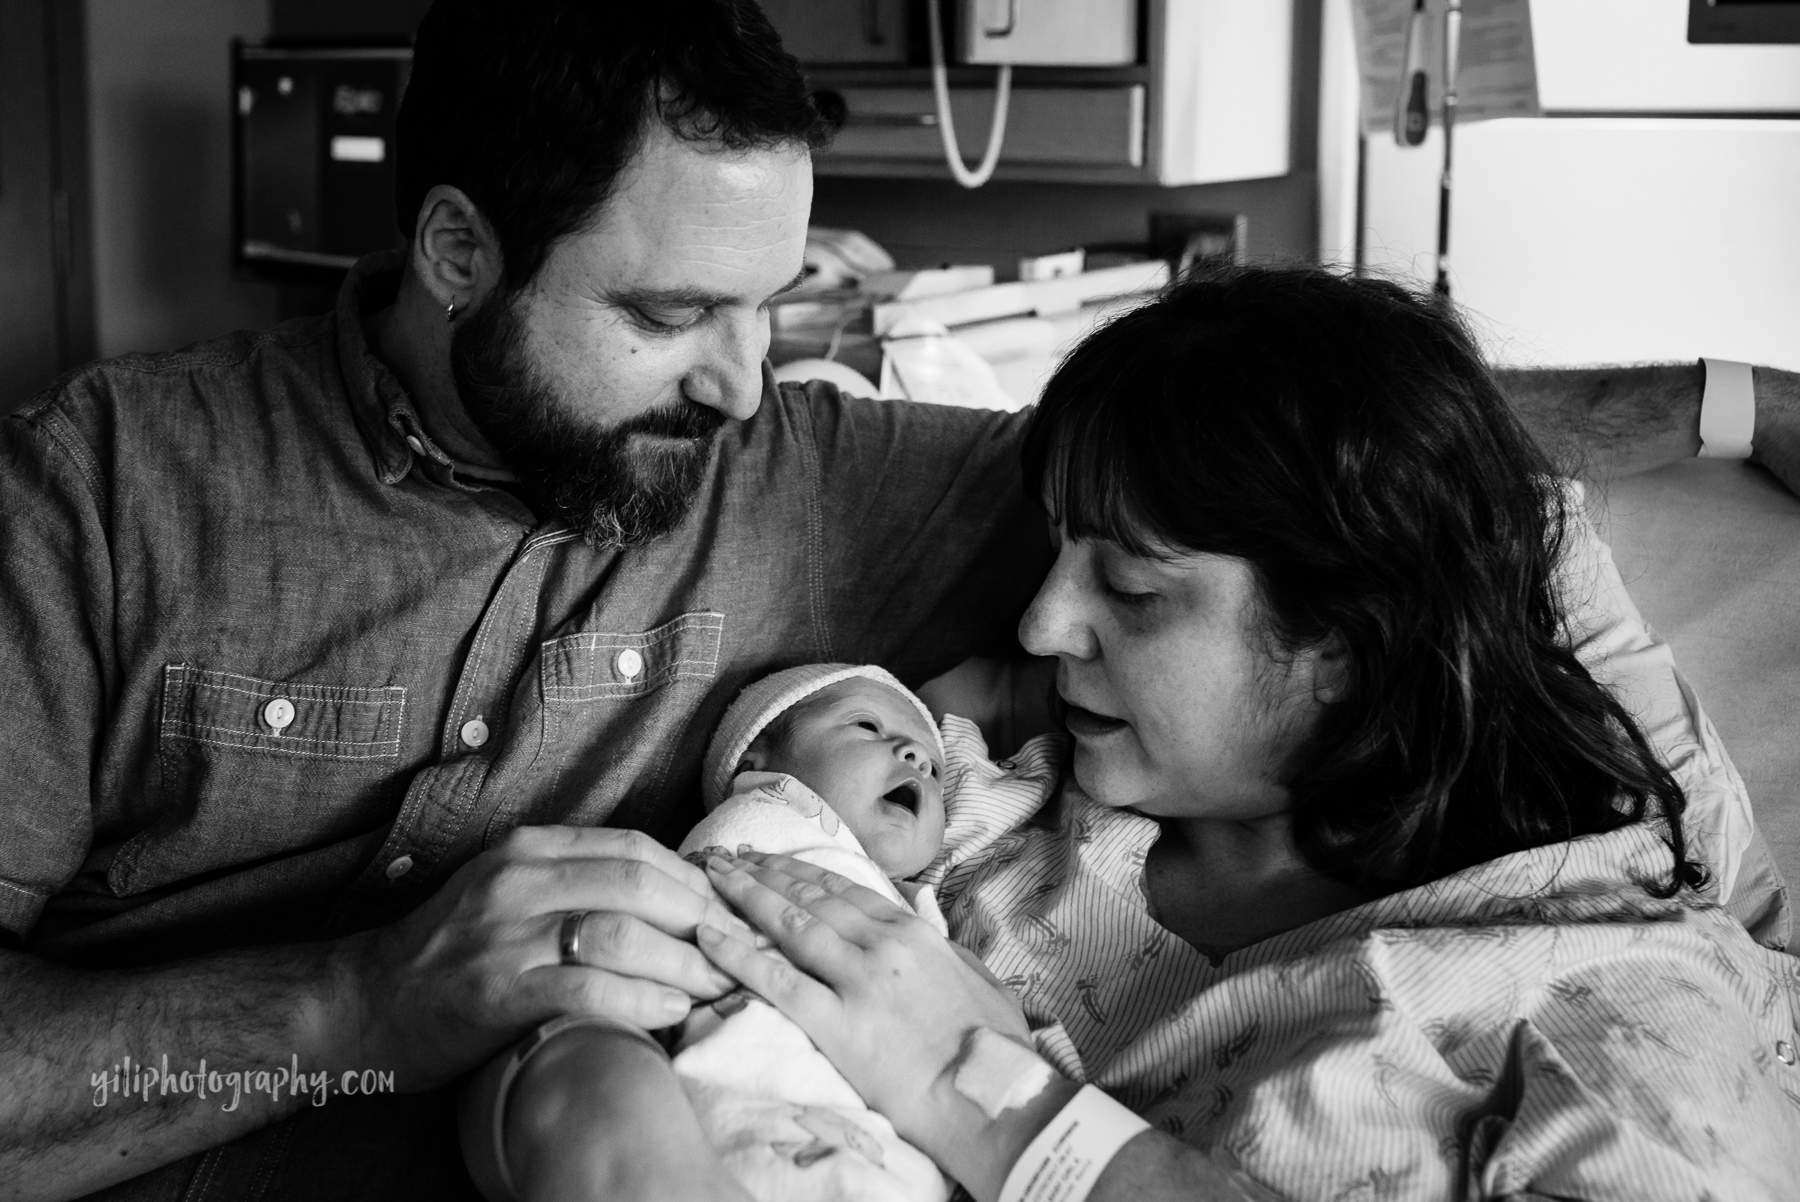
column 887, row 999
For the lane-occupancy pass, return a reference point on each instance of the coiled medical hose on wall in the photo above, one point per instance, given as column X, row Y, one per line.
column 940, row 85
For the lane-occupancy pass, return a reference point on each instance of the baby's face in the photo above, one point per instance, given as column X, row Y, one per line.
column 866, row 750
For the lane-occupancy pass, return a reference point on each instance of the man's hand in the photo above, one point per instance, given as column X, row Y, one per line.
column 1777, row 435
column 480, row 963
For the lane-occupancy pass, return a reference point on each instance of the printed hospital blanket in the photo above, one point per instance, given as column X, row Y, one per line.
column 784, row 1121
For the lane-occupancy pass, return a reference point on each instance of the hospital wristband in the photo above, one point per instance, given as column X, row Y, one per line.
column 1067, row 1157
column 1727, row 410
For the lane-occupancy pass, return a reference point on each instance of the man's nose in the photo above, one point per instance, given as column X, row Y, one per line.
column 729, row 378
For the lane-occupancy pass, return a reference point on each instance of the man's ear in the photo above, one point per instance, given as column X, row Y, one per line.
column 455, row 252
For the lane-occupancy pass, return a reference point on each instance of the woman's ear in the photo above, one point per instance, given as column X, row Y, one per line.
column 1331, row 670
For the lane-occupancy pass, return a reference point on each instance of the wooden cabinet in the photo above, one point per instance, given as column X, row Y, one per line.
column 842, row 31
column 47, row 283
column 1094, row 126
column 1208, row 99
column 1050, row 33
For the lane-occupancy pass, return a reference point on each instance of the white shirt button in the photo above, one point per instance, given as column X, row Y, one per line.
column 279, row 714
column 629, row 663
column 412, row 440
column 399, row 868
column 474, row 732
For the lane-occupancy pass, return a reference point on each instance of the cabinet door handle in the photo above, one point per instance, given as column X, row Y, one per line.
column 905, row 120
column 1001, row 31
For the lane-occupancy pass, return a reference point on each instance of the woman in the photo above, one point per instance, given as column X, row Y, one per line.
column 1362, row 886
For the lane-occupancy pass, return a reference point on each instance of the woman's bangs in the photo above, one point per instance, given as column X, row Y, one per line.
column 1090, row 466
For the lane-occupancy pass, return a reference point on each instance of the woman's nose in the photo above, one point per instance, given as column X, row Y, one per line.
column 1053, row 623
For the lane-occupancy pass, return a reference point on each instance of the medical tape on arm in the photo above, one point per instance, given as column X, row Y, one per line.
column 1727, row 410
column 998, row 1074
column 1067, row 1157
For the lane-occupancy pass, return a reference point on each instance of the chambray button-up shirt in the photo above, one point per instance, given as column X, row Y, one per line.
column 273, row 668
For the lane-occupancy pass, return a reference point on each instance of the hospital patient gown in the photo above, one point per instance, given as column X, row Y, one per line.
column 1534, row 1026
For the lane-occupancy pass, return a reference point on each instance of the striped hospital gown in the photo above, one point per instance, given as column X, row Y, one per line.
column 1535, row 1026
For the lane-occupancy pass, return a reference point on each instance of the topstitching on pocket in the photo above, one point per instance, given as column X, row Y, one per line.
column 334, row 722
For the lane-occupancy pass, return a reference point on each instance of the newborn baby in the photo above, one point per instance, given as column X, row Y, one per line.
column 841, row 766
column 835, row 764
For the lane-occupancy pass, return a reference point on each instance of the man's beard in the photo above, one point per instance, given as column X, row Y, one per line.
column 589, row 477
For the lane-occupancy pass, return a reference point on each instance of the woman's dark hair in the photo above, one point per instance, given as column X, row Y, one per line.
column 532, row 107
column 1344, row 437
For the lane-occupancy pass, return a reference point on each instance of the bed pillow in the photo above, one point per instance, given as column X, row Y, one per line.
column 1624, row 653
column 1710, row 550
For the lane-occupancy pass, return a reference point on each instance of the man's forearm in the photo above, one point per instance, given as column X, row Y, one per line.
column 64, row 1131
column 1602, row 422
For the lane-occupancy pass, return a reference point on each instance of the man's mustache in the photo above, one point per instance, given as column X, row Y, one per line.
column 684, row 419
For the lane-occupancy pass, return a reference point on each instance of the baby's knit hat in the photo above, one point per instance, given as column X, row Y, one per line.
column 759, row 704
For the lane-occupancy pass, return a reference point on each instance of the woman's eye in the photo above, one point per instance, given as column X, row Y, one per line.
column 1127, row 596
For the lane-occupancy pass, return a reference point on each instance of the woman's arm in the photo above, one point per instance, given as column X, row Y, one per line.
column 896, row 1008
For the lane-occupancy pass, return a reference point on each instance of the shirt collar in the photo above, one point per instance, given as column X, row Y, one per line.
column 383, row 410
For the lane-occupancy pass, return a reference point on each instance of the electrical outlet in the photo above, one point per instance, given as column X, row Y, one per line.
column 1188, row 238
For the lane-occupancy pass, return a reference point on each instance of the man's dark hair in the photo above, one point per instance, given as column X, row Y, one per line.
column 532, row 107
column 1344, row 437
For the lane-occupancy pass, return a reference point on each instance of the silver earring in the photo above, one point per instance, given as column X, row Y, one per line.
column 450, row 312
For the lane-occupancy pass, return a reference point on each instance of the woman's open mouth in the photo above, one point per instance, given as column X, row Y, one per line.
column 1086, row 724
column 907, row 794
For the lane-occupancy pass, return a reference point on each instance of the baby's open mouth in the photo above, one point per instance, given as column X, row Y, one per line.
column 907, row 794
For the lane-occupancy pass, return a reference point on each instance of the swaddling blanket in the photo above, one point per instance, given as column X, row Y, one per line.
column 783, row 1120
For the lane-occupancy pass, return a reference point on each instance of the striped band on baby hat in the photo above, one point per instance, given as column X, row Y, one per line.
column 762, row 700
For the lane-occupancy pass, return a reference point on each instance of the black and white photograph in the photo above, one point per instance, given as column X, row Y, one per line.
column 899, row 600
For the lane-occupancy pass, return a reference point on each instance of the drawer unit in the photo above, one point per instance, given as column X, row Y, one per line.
column 843, row 31
column 1064, row 126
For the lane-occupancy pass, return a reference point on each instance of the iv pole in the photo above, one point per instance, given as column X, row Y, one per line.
column 1452, row 40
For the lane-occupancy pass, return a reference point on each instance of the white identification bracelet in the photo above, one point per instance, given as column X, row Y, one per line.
column 1727, row 410
column 1068, row 1156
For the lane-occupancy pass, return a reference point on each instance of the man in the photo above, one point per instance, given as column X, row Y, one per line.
column 341, row 662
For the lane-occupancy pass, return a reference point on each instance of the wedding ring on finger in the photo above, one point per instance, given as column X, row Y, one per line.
column 569, row 938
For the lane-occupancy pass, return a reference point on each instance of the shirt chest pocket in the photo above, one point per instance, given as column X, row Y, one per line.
column 252, row 768
column 617, row 712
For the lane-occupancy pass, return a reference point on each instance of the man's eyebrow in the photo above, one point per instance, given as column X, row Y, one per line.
column 692, row 298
